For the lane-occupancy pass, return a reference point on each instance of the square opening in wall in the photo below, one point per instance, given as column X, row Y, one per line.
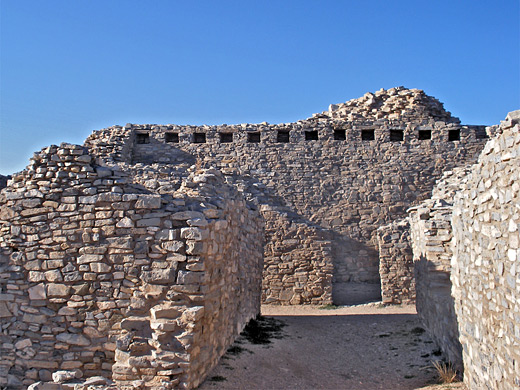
column 142, row 138
column 454, row 135
column 340, row 135
column 226, row 137
column 311, row 135
column 396, row 135
column 199, row 138
column 480, row 132
column 253, row 137
column 424, row 135
column 368, row 135
column 172, row 137
column 282, row 136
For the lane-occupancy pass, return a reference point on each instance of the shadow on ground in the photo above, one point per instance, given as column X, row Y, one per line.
column 352, row 293
column 354, row 351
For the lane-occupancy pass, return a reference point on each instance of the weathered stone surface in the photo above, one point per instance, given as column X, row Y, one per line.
column 73, row 339
column 63, row 376
column 131, row 221
column 396, row 267
column 465, row 242
column 486, row 262
column 57, row 290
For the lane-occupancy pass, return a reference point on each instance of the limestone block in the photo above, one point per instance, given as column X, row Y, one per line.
column 166, row 310
column 57, row 290
column 194, row 233
column 4, row 310
column 63, row 376
column 192, row 314
column 125, row 223
column 148, row 202
column 159, row 276
column 100, row 268
column 73, row 339
column 89, row 258
column 37, row 292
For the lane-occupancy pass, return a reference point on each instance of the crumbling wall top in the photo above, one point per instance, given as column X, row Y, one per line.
column 392, row 103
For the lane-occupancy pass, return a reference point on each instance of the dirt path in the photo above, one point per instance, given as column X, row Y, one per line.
column 358, row 347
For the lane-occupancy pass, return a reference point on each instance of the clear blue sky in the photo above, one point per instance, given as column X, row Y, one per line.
column 69, row 67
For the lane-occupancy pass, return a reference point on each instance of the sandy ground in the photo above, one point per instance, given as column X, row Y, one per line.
column 354, row 347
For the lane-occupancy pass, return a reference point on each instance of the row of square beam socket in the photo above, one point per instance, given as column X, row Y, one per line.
column 312, row 135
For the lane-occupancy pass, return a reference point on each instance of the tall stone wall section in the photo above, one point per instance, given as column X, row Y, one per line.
column 396, row 267
column 298, row 266
column 486, row 263
column 348, row 170
column 100, row 276
column 431, row 235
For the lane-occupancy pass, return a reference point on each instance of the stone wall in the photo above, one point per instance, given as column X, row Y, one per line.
column 396, row 267
column 298, row 263
column 431, row 234
column 104, row 277
column 348, row 170
column 486, row 263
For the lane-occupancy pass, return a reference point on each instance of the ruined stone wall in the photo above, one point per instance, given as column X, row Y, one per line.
column 349, row 170
column 431, row 234
column 486, row 263
column 101, row 276
column 298, row 266
column 396, row 267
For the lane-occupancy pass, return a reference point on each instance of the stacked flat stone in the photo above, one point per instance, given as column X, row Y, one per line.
column 486, row 262
column 101, row 276
column 466, row 245
column 396, row 266
column 394, row 103
column 138, row 256
column 346, row 188
column 431, row 235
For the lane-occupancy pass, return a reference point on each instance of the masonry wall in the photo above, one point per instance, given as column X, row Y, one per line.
column 329, row 173
column 486, row 263
column 396, row 267
column 298, row 264
column 431, row 235
column 102, row 276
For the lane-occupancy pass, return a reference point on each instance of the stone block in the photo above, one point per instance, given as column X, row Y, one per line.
column 166, row 310
column 73, row 339
column 159, row 276
column 37, row 292
column 4, row 310
column 148, row 202
column 100, row 268
column 89, row 258
column 57, row 290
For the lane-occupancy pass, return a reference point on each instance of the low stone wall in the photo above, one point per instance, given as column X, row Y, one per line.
column 430, row 229
column 101, row 276
column 486, row 263
column 396, row 267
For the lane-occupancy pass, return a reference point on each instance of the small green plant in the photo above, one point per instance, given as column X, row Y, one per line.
column 329, row 306
column 446, row 372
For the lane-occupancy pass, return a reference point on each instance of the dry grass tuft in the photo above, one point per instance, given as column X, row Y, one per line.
column 446, row 372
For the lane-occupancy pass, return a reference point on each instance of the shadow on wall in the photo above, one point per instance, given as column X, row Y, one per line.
column 356, row 276
column 436, row 308
column 356, row 267
column 147, row 154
